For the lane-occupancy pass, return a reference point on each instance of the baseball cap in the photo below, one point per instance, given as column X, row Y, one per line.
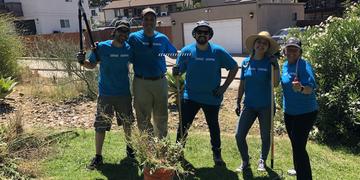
column 148, row 10
column 293, row 42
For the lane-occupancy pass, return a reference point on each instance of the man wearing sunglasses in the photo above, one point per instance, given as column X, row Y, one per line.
column 202, row 84
column 114, row 88
column 150, row 86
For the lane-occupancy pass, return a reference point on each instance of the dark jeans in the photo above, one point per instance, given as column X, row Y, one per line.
column 298, row 128
column 189, row 111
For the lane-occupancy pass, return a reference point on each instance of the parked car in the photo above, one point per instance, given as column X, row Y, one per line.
column 280, row 36
column 134, row 21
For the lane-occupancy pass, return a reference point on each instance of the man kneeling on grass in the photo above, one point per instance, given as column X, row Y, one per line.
column 114, row 88
column 202, row 61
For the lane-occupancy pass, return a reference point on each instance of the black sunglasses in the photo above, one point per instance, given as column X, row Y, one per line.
column 202, row 32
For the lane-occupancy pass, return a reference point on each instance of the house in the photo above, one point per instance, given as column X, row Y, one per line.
column 233, row 23
column 133, row 8
column 97, row 15
column 45, row 16
column 207, row 3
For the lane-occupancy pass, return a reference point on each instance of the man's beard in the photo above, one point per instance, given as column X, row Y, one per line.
column 119, row 39
column 201, row 40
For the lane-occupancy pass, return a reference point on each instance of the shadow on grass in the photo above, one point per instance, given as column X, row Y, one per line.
column 272, row 175
column 208, row 173
column 126, row 169
column 334, row 146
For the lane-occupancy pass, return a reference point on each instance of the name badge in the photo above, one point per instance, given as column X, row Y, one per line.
column 114, row 55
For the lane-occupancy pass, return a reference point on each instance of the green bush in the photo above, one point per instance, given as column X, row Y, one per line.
column 10, row 47
column 333, row 49
column 6, row 86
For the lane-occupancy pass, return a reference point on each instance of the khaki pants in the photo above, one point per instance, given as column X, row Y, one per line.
column 151, row 97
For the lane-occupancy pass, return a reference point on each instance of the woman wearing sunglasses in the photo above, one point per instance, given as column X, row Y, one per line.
column 299, row 104
column 255, row 85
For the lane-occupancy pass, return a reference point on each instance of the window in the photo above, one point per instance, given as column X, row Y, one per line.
column 126, row 12
column 93, row 13
column 117, row 12
column 68, row 0
column 64, row 23
column 294, row 18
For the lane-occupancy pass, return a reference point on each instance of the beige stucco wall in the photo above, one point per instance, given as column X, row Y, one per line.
column 242, row 11
column 273, row 17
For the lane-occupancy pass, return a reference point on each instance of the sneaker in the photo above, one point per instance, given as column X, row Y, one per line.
column 95, row 162
column 244, row 166
column 291, row 172
column 261, row 165
column 218, row 160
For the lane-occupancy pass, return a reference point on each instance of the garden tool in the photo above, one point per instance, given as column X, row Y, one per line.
column 82, row 15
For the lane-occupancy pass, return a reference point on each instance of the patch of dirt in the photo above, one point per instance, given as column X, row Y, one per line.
column 80, row 113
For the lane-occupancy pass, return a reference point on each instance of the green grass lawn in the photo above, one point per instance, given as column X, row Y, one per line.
column 72, row 156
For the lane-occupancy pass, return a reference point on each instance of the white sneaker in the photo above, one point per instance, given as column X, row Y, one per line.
column 261, row 165
column 244, row 166
column 291, row 172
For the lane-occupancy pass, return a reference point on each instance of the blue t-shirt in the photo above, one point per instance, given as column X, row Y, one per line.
column 295, row 103
column 256, row 75
column 203, row 72
column 150, row 61
column 114, row 72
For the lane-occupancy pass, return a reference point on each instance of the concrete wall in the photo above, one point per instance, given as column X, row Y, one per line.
column 215, row 13
column 273, row 17
column 47, row 14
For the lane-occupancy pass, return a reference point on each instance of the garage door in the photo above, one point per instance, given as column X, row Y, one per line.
column 227, row 33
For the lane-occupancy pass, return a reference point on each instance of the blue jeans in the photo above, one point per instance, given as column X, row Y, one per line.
column 189, row 110
column 246, row 120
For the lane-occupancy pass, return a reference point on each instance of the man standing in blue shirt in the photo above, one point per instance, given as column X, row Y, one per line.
column 150, row 86
column 114, row 89
column 202, row 61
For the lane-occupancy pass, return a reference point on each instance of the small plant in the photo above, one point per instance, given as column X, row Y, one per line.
column 172, row 84
column 6, row 86
column 154, row 154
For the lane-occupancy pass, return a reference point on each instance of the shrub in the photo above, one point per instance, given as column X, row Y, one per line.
column 10, row 47
column 65, row 53
column 154, row 153
column 6, row 86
